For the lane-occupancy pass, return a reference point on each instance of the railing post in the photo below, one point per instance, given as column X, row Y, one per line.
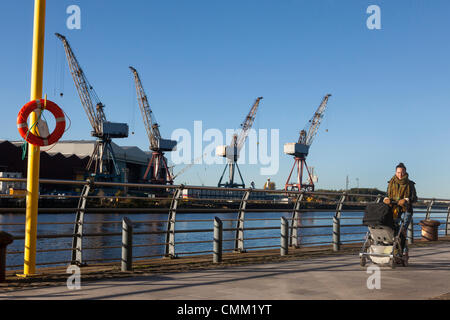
column 127, row 245
column 5, row 240
column 337, row 224
column 170, row 236
column 379, row 198
column 447, row 224
column 410, row 232
column 336, row 234
column 239, row 243
column 293, row 238
column 284, row 250
column 218, row 237
column 430, row 206
column 77, row 242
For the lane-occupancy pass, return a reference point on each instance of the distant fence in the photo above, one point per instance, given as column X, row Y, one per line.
column 304, row 218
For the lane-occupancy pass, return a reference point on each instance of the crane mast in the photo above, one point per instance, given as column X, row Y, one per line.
column 157, row 166
column 300, row 150
column 103, row 130
column 232, row 151
column 86, row 92
column 317, row 120
column 151, row 126
column 248, row 124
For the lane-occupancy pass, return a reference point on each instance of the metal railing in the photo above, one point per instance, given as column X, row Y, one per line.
column 316, row 216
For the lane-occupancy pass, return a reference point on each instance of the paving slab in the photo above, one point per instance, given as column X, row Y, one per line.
column 326, row 277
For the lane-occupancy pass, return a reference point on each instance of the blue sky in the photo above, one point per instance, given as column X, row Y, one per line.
column 209, row 60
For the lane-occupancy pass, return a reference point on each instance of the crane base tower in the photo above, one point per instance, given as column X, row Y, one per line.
column 302, row 168
column 103, row 161
column 157, row 170
column 231, row 184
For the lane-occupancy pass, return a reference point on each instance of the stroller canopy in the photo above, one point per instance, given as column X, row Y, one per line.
column 378, row 214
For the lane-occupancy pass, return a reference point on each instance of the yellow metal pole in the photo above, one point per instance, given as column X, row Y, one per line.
column 37, row 74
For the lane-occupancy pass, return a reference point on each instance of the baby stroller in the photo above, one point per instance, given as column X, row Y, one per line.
column 383, row 243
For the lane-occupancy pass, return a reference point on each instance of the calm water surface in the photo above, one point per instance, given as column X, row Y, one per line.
column 157, row 222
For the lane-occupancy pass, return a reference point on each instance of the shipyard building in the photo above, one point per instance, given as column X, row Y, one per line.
column 67, row 160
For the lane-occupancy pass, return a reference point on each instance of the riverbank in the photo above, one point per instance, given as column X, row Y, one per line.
column 69, row 205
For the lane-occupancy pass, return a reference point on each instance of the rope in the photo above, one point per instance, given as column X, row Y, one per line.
column 24, row 150
column 63, row 69
column 68, row 127
column 70, row 121
column 59, row 70
column 56, row 71
column 25, row 145
column 133, row 107
column 258, row 141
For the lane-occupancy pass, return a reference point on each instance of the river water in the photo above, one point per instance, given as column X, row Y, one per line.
column 100, row 224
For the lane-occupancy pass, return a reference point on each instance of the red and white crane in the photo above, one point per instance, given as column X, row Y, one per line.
column 300, row 150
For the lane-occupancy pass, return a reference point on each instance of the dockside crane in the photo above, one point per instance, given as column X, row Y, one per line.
column 231, row 152
column 103, row 158
column 300, row 150
column 157, row 166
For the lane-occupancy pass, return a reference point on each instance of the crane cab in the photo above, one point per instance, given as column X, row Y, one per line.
column 166, row 145
column 115, row 130
column 112, row 130
column 296, row 149
column 227, row 152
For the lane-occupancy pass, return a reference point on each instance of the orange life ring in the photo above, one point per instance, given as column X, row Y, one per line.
column 37, row 106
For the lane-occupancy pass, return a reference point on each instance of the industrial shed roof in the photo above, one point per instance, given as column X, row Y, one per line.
column 84, row 148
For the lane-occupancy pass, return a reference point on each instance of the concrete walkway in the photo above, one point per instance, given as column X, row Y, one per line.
column 331, row 277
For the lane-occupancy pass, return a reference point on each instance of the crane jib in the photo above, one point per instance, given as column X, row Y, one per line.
column 316, row 121
column 248, row 124
column 151, row 126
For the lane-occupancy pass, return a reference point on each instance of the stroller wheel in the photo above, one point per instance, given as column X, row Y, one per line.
column 392, row 263
column 405, row 260
column 363, row 261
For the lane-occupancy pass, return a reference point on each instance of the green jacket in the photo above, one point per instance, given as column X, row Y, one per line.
column 401, row 189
